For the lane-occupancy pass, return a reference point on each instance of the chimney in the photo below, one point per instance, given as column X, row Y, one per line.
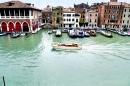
column 33, row 5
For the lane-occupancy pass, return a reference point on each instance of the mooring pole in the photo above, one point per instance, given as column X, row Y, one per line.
column 4, row 81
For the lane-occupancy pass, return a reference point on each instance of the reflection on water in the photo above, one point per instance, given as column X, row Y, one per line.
column 31, row 61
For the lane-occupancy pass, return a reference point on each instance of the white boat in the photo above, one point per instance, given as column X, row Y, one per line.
column 58, row 33
column 67, row 46
column 3, row 34
column 106, row 34
column 49, row 32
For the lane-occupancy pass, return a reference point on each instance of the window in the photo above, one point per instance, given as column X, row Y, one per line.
column 105, row 11
column 69, row 19
column 90, row 20
column 64, row 19
column 95, row 20
column 90, row 14
column 125, row 10
column 128, row 15
column 127, row 21
column 108, row 21
column 72, row 19
column 124, row 15
column 104, row 16
column 77, row 20
column 123, row 21
column 95, row 14
column 104, row 20
column 129, row 10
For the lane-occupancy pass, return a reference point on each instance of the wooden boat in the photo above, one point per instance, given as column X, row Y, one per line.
column 69, row 46
column 58, row 33
column 92, row 33
column 106, row 34
column 3, row 34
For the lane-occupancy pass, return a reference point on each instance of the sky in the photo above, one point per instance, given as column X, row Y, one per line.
column 65, row 3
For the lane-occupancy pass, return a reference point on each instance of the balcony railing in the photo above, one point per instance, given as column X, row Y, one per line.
column 16, row 17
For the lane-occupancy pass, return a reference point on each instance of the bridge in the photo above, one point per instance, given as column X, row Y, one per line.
column 48, row 25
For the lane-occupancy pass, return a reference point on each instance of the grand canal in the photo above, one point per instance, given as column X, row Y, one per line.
column 31, row 61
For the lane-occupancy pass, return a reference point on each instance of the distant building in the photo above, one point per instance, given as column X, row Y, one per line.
column 86, row 15
column 18, row 16
column 47, row 15
column 110, row 14
column 80, row 8
column 71, row 19
column 93, row 18
column 57, row 16
column 82, row 5
column 126, row 17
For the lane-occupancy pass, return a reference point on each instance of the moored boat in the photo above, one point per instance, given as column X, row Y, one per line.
column 92, row 33
column 67, row 46
column 72, row 34
column 58, row 33
column 49, row 32
column 3, row 34
column 80, row 33
column 86, row 34
column 15, row 34
column 106, row 34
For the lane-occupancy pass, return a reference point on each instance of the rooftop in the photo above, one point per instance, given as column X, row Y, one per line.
column 17, row 4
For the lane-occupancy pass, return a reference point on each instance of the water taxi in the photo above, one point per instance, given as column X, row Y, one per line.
column 69, row 46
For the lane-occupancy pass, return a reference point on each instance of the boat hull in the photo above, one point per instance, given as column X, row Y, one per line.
column 106, row 34
column 55, row 46
column 3, row 34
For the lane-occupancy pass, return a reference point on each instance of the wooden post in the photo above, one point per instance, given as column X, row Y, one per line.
column 4, row 81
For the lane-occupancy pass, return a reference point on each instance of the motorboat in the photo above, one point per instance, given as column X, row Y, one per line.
column 3, row 34
column 72, row 34
column 58, row 33
column 50, row 32
column 106, row 34
column 15, row 34
column 67, row 46
column 92, row 33
column 86, row 34
column 80, row 33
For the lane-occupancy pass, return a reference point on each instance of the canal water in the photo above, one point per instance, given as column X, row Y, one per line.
column 31, row 61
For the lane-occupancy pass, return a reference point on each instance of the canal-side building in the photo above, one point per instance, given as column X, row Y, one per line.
column 57, row 16
column 86, row 15
column 18, row 16
column 92, row 18
column 71, row 19
column 80, row 8
column 110, row 14
column 126, row 17
column 47, row 15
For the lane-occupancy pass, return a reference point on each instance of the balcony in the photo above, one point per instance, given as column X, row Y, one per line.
column 16, row 17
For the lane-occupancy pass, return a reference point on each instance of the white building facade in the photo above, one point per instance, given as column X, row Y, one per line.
column 71, row 19
column 126, row 18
